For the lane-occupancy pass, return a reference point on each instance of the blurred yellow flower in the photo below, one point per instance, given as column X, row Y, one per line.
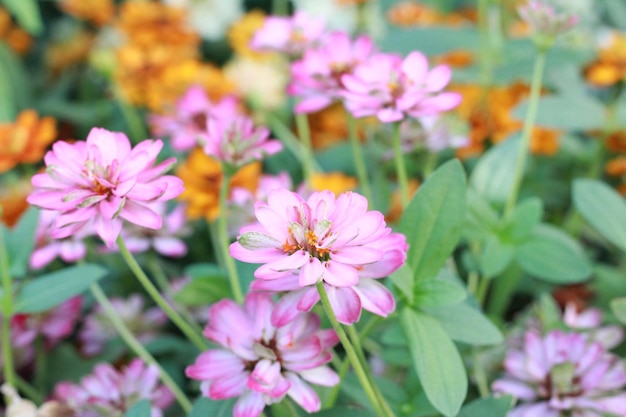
column 241, row 32
column 413, row 13
column 337, row 182
column 98, row 12
column 25, row 140
column 609, row 68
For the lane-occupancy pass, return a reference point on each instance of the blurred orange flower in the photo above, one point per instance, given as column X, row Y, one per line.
column 13, row 201
column 16, row 38
column 25, row 140
column 395, row 208
column 413, row 13
column 67, row 52
column 98, row 12
column 609, row 68
column 337, row 182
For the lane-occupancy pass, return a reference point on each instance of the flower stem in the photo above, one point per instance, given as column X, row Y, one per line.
column 291, row 142
column 133, row 119
column 7, row 313
column 400, row 166
column 224, row 241
column 352, row 355
column 304, row 132
column 359, row 160
column 531, row 114
column 137, row 347
column 28, row 390
column 143, row 279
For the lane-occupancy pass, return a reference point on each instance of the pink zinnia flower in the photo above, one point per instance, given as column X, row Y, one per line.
column 236, row 142
column 563, row 373
column 545, row 21
column 590, row 320
column 261, row 363
column 189, row 120
column 290, row 35
column 391, row 89
column 328, row 239
column 104, row 180
column 316, row 78
column 109, row 392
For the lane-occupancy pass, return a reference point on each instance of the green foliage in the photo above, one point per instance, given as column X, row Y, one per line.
column 208, row 285
column 27, row 14
column 204, row 407
column 618, row 308
column 492, row 176
column 140, row 409
column 437, row 292
column 466, row 323
column 488, row 407
column 556, row 112
column 20, row 241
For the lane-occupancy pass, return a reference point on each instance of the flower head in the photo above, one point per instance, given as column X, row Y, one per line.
column 25, row 140
column 290, row 35
column 104, row 180
column 260, row 362
column 109, row 392
column 329, row 239
column 546, row 23
column 393, row 88
column 563, row 373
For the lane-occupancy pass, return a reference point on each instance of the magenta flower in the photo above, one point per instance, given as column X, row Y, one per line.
column 563, row 373
column 316, row 78
column 590, row 321
column 260, row 362
column 109, row 392
column 328, row 239
column 391, row 89
column 290, row 35
column 235, row 141
column 189, row 120
column 104, row 180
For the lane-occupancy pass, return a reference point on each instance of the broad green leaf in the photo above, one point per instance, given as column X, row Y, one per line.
column 495, row 257
column 8, row 105
column 139, row 409
column 552, row 255
column 603, row 208
column 27, row 14
column 50, row 290
column 343, row 411
column 465, row 323
column 556, row 112
column 20, row 241
column 433, row 220
column 618, row 307
column 549, row 313
column 616, row 12
column 429, row 40
column 493, row 177
column 403, row 279
column 205, row 407
column 203, row 291
column 436, row 292
column 482, row 219
column 525, row 217
column 393, row 335
column 437, row 361
column 488, row 407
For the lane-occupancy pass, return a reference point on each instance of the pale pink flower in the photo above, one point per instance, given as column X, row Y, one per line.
column 334, row 240
column 392, row 88
column 590, row 321
column 70, row 249
column 545, row 21
column 144, row 323
column 316, row 77
column 261, row 363
column 109, row 392
column 290, row 35
column 563, row 373
column 189, row 120
column 235, row 141
column 104, row 180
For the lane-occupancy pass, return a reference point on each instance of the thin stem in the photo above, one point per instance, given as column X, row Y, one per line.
column 304, row 132
column 400, row 166
column 291, row 142
column 352, row 355
column 483, row 287
column 359, row 159
column 7, row 313
column 137, row 347
column 28, row 390
column 480, row 376
column 529, row 122
column 40, row 363
column 224, row 241
column 143, row 279
column 132, row 117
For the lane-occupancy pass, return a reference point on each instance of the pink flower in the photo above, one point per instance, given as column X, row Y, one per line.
column 189, row 120
column 235, row 141
column 70, row 249
column 590, row 320
column 260, row 362
column 328, row 239
column 290, row 35
column 316, row 78
column 103, row 180
column 109, row 392
column 563, row 373
column 145, row 323
column 391, row 88
column 545, row 21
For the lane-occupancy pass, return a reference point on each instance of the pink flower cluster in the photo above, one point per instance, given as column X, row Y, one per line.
column 261, row 362
column 290, row 35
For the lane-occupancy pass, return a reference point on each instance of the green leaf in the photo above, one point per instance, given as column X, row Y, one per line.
column 403, row 279
column 488, row 407
column 549, row 313
column 495, row 257
column 343, row 411
column 27, row 14
column 205, row 407
column 603, row 208
column 140, row 409
column 525, row 217
column 203, row 291
column 465, row 323
column 50, row 290
column 433, row 220
column 436, row 360
column 552, row 255
column 616, row 12
column 556, row 112
column 482, row 219
column 20, row 241
column 618, row 307
column 430, row 40
column 493, row 177
column 436, row 292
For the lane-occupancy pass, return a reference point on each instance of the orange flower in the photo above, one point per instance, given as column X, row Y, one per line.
column 16, row 38
column 67, row 52
column 610, row 66
column 337, row 182
column 202, row 176
column 25, row 140
column 395, row 208
column 13, row 201
column 97, row 12
column 328, row 126
column 413, row 13
column 544, row 141
column 458, row 58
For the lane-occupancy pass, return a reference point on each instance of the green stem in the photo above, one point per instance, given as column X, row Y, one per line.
column 137, row 347
column 40, row 363
column 480, row 376
column 143, row 279
column 352, row 355
column 483, row 287
column 28, row 390
column 224, row 241
column 287, row 138
column 359, row 159
column 430, row 164
column 529, row 122
column 135, row 122
column 304, row 132
column 7, row 313
column 400, row 166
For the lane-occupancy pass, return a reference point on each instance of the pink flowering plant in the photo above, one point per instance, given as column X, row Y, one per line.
column 428, row 220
